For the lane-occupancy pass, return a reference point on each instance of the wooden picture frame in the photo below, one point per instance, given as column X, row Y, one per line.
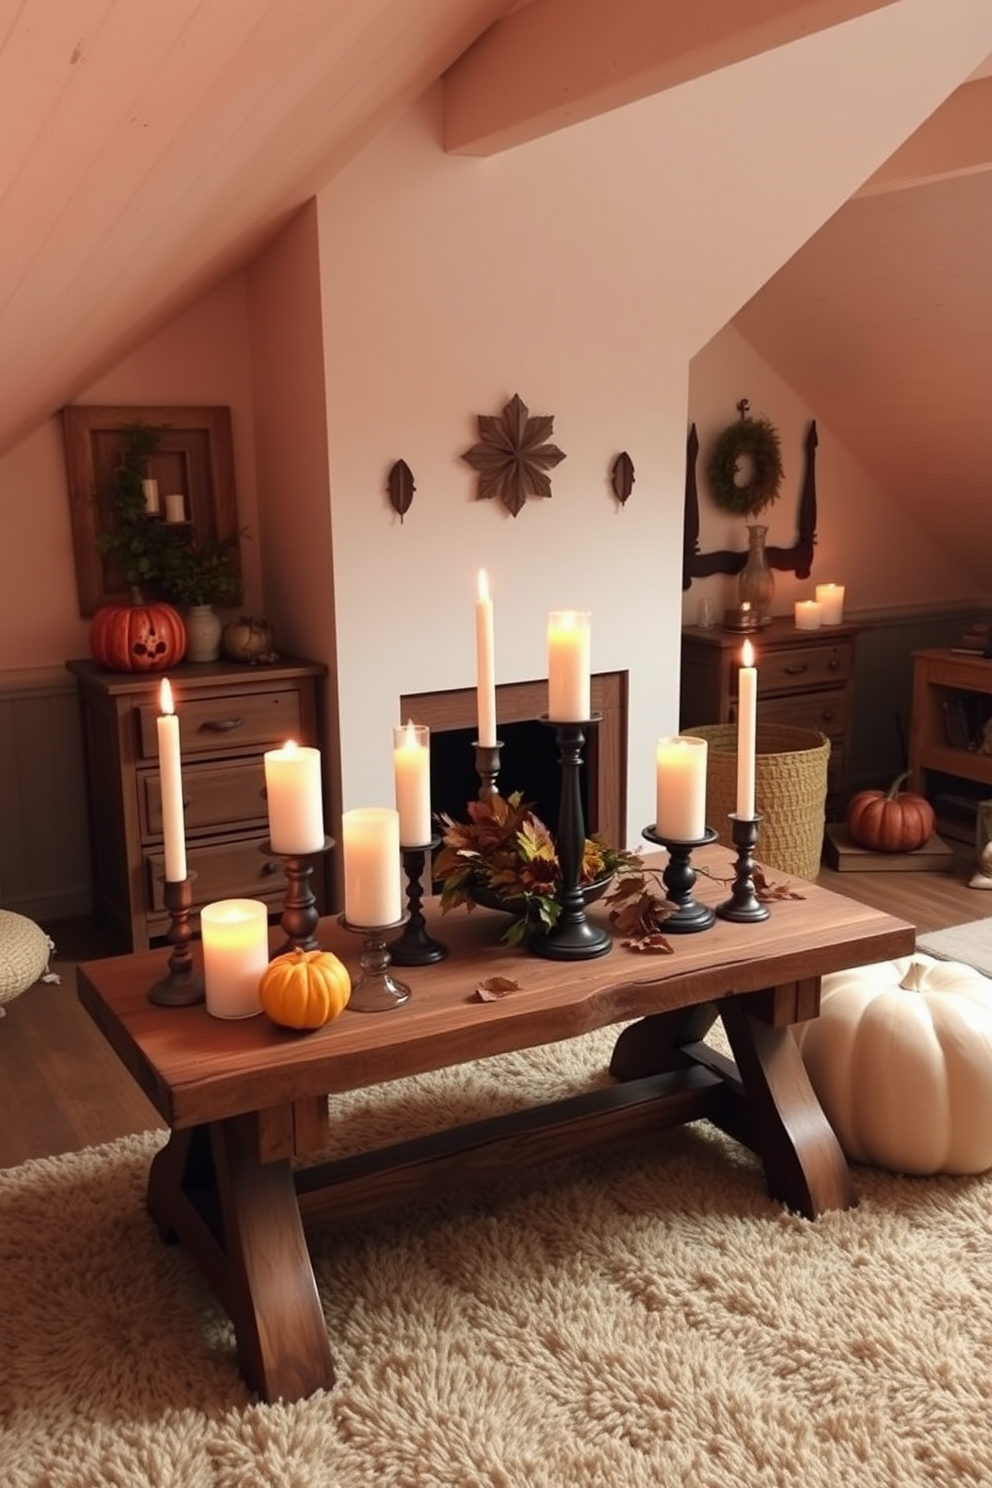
column 194, row 457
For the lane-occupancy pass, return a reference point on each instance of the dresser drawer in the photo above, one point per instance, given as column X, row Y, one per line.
column 227, row 721
column 229, row 795
column 232, row 869
column 802, row 667
column 826, row 711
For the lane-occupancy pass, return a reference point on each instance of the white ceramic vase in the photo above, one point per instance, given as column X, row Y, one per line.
column 204, row 629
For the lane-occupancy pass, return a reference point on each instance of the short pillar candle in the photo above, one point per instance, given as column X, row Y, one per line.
column 370, row 841
column 681, row 788
column 808, row 614
column 412, row 775
column 295, row 799
column 569, row 667
column 830, row 598
column 235, row 934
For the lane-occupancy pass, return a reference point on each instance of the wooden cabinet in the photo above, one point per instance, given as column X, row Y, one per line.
column 805, row 679
column 952, row 706
column 228, row 716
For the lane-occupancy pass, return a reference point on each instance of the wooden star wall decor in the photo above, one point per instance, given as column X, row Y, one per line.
column 512, row 455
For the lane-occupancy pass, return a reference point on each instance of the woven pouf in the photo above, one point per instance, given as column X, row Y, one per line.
column 790, row 791
column 24, row 953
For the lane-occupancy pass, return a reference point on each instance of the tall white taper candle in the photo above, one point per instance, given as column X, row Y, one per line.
column 747, row 707
column 485, row 664
column 171, row 785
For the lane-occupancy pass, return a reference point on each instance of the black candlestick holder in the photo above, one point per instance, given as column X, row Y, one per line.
column 487, row 768
column 679, row 877
column 573, row 937
column 415, row 947
column 744, row 906
column 299, row 906
column 375, row 991
column 183, row 986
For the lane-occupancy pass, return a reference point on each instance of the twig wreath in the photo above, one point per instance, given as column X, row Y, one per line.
column 756, row 441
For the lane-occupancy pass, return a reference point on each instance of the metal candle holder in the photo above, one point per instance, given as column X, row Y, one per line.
column 679, row 877
column 299, row 906
column 415, row 947
column 743, row 906
column 487, row 768
column 375, row 990
column 573, row 938
column 182, row 987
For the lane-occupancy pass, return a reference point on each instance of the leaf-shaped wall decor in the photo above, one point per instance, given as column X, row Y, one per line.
column 401, row 488
column 512, row 455
column 622, row 476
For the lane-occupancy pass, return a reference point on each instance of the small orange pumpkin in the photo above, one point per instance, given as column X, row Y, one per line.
column 890, row 821
column 304, row 989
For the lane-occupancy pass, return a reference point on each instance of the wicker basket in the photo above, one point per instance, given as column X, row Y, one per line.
column 790, row 791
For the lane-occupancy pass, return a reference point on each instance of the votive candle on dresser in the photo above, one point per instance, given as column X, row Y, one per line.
column 831, row 601
column 808, row 614
column 681, row 788
column 569, row 666
column 370, row 841
column 295, row 799
column 412, row 776
column 235, row 936
column 171, row 786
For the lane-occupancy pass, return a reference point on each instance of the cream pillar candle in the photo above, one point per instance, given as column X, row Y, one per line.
column 175, row 507
column 235, row 935
column 808, row 614
column 681, row 788
column 370, row 839
column 569, row 672
column 831, row 601
column 747, row 709
column 485, row 665
column 149, row 490
column 412, row 775
column 171, row 786
column 295, row 800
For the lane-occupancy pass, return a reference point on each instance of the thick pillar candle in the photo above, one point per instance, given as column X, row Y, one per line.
column 831, row 601
column 171, row 786
column 681, row 789
column 747, row 710
column 295, row 799
column 412, row 774
column 485, row 663
column 808, row 614
column 569, row 671
column 149, row 489
column 370, row 839
column 235, row 934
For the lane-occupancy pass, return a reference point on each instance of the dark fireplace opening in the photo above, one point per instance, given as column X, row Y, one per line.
column 529, row 763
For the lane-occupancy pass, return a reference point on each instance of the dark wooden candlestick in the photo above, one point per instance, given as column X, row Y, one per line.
column 183, row 986
column 743, row 906
column 299, row 909
column 573, row 938
column 487, row 768
column 415, row 947
column 679, row 878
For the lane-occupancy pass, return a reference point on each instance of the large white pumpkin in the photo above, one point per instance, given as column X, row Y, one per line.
column 901, row 1061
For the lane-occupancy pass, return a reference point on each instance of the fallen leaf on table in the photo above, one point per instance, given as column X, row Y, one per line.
column 495, row 988
column 653, row 945
column 764, row 891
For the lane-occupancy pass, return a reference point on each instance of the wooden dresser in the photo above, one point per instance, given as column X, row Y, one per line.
column 229, row 715
column 805, row 679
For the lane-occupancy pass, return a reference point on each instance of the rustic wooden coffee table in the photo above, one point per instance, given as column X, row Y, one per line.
column 244, row 1099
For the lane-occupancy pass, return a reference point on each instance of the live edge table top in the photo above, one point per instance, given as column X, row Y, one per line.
column 198, row 1069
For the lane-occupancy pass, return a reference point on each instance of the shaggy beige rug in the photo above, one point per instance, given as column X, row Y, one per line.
column 622, row 1321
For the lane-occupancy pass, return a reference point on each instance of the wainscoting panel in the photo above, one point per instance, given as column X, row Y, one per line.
column 44, row 836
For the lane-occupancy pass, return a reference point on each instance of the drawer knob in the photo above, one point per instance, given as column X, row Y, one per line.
column 797, row 668
column 221, row 725
column 833, row 664
column 270, row 867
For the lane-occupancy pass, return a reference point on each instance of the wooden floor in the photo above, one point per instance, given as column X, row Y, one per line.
column 61, row 1088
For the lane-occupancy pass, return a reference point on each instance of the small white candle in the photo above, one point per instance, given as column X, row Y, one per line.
column 412, row 774
column 485, row 666
column 150, row 491
column 295, row 799
column 175, row 507
column 171, row 786
column 747, row 709
column 235, row 934
column 370, row 840
column 681, row 788
column 831, row 600
column 569, row 672
column 808, row 614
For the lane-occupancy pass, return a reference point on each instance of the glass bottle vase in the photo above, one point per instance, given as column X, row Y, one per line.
column 756, row 582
